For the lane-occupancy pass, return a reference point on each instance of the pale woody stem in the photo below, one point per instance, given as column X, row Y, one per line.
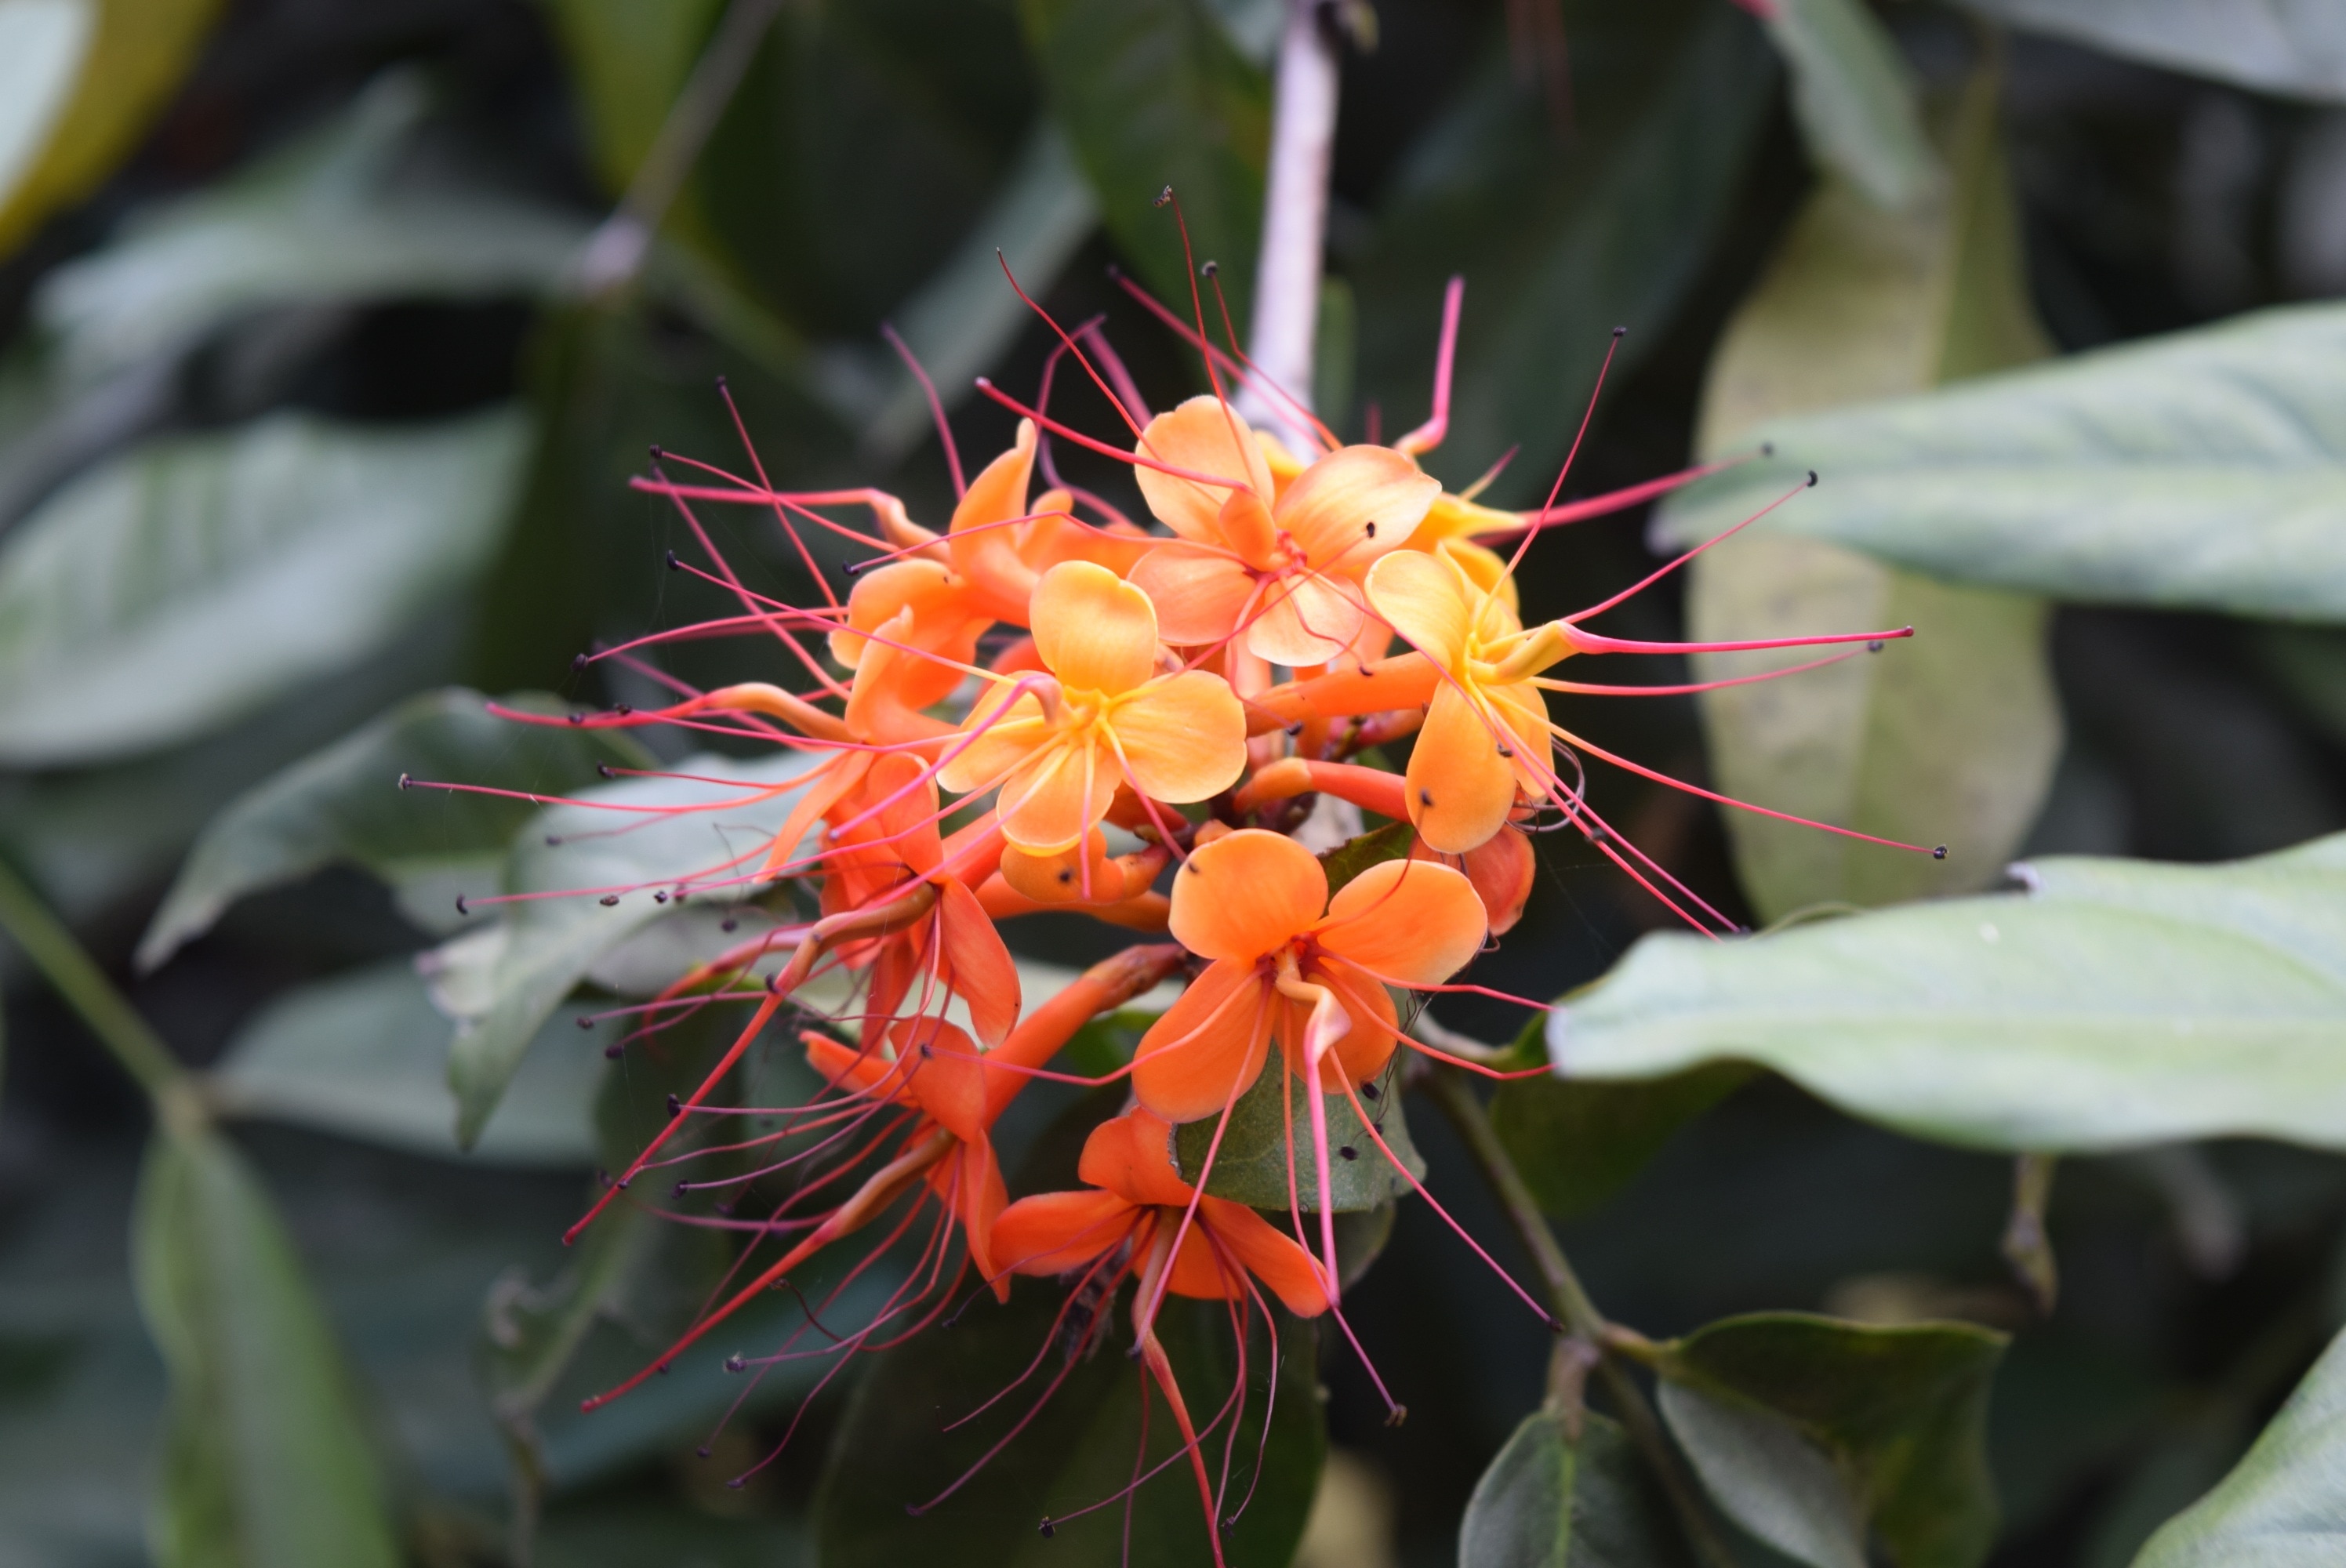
column 1286, row 310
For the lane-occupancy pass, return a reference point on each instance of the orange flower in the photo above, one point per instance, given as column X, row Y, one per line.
column 1486, row 729
column 1283, row 562
column 1136, row 1194
column 1103, row 718
column 1290, row 964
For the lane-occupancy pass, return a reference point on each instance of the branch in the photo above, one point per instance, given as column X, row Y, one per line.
column 1286, row 310
column 85, row 988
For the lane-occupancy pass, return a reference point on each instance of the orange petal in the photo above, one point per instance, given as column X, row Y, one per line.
column 1201, row 591
column 1486, row 568
column 1268, row 1253
column 1073, row 876
column 1004, row 733
column 1049, row 801
column 1204, row 436
column 1096, row 631
column 976, row 965
column 1307, row 620
column 1196, row 1273
column 1054, row 1232
column 1502, row 870
column 1246, row 894
column 1208, row 1046
column 1409, row 923
column 1183, row 736
column 1132, row 1157
column 1355, row 504
column 998, row 492
column 1358, row 1054
column 941, row 1074
column 1425, row 599
column 980, row 1197
column 1460, row 787
column 845, row 1067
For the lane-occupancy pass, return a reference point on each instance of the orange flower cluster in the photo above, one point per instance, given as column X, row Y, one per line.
column 1050, row 706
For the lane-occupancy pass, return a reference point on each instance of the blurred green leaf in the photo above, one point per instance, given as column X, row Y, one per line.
column 191, row 581
column 1808, row 1431
column 533, row 1334
column 598, row 1533
column 628, row 63
column 2309, row 663
column 1152, row 93
column 1550, row 1501
column 1561, row 237
column 2200, row 470
column 348, row 804
column 2279, row 1507
column 365, row 1054
column 1951, row 738
column 1578, row 1143
column 1252, row 1165
column 2117, row 1004
column 85, row 78
column 265, row 1463
column 893, row 1452
column 1357, row 854
column 1853, row 96
column 347, row 213
column 2296, row 48
column 500, row 982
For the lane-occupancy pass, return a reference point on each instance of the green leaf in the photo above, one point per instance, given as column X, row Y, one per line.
column 347, row 805
column 2309, row 664
column 189, row 582
column 2201, row 470
column 2296, row 50
column 1570, row 234
column 2117, row 1004
column 1252, row 1165
column 346, row 213
column 265, row 1464
column 365, row 1054
column 531, row 1334
column 1951, row 738
column 1373, row 848
column 501, row 982
column 1152, row 93
column 1808, row 1431
column 1578, row 1143
column 893, row 1452
column 2279, row 1506
column 1853, row 96
column 83, row 80
column 1551, row 1500
column 628, row 63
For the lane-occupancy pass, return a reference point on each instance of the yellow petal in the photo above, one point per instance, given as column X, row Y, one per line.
column 1199, row 592
column 1407, row 923
column 1047, row 803
column 1425, row 600
column 1204, row 436
column 1487, row 570
column 1183, row 736
column 1246, row 894
column 1355, row 504
column 1307, row 620
column 1095, row 631
column 1460, row 787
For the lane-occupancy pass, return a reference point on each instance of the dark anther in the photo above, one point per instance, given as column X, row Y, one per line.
column 577, row 662
column 1369, row 529
column 673, row 563
column 585, row 1023
column 405, row 783
column 603, row 1175
column 1348, row 1151
column 554, row 841
column 1505, row 751
column 611, row 900
column 605, row 769
column 1296, row 728
column 1048, row 1528
column 577, row 718
column 1940, row 854
column 721, row 383
column 1397, row 1416
column 677, row 895
column 1163, row 196
column 1369, row 1091
column 675, row 1106
column 1210, row 267
column 1873, row 646
column 657, row 451
column 734, row 1362
column 1229, row 1522
column 679, row 1189
column 1619, row 331
column 1812, row 479
column 613, row 1051
column 701, row 1452
column 460, row 905
column 659, row 896
column 662, row 1367
column 728, row 924
column 1425, row 797
column 737, row 1482
column 623, row 711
